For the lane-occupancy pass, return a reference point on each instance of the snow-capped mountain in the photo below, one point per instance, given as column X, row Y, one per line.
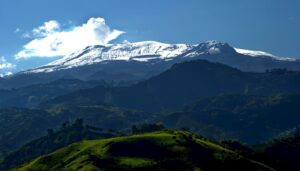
column 141, row 60
column 149, row 51
column 139, row 51
column 262, row 54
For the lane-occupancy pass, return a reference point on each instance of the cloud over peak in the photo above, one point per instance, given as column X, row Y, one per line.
column 46, row 29
column 4, row 64
column 50, row 39
column 5, row 67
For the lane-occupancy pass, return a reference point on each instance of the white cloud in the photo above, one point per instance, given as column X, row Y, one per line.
column 26, row 35
column 17, row 30
column 4, row 64
column 48, row 28
column 5, row 74
column 50, row 40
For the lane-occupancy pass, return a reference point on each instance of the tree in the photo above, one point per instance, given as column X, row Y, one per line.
column 134, row 129
column 50, row 132
column 147, row 127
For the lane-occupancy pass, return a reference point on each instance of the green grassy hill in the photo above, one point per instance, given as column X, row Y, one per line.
column 167, row 150
column 55, row 139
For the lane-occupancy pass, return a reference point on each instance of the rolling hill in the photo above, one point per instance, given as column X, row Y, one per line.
column 168, row 150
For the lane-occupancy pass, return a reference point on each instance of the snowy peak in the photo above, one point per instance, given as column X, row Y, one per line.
column 147, row 48
column 211, row 48
column 139, row 51
column 147, row 51
column 254, row 53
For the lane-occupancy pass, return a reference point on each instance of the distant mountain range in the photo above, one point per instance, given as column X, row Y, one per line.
column 150, row 51
column 141, row 60
column 184, row 83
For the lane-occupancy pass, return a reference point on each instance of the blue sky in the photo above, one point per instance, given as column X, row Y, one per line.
column 268, row 25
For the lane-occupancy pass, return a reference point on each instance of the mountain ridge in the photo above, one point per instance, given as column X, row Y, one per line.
column 145, row 51
column 142, row 60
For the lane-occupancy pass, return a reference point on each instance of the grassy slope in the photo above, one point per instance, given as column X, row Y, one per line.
column 150, row 151
column 66, row 135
